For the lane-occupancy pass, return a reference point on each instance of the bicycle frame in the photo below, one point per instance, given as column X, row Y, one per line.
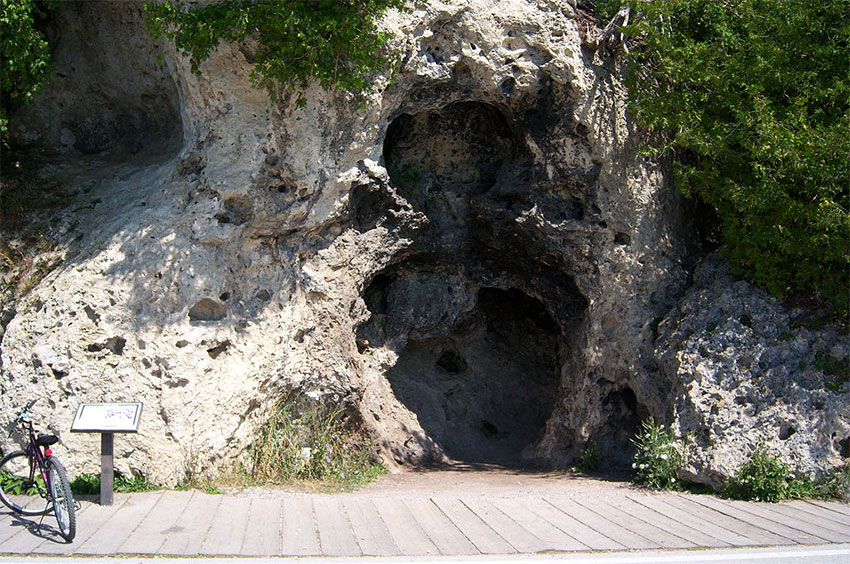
column 37, row 458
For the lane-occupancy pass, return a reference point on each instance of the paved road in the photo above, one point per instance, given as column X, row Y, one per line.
column 414, row 516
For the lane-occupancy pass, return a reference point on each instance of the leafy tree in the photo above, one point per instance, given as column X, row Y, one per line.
column 24, row 53
column 752, row 97
column 336, row 42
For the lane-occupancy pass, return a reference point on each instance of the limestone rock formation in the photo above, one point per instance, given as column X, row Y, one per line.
column 749, row 374
column 472, row 258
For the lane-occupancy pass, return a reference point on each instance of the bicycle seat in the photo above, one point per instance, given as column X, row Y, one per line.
column 46, row 440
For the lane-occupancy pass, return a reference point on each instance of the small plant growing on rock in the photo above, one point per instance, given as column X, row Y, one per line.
column 657, row 457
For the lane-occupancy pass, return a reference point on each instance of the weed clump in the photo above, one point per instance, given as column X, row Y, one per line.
column 89, row 484
column 306, row 440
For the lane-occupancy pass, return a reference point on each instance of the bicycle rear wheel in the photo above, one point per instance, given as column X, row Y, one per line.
column 63, row 500
column 22, row 488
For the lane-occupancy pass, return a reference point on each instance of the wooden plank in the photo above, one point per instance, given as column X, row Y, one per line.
column 90, row 518
column 406, row 533
column 440, row 529
column 824, row 524
column 114, row 532
column 665, row 505
column 810, row 507
column 300, row 537
column 774, row 512
column 601, row 524
column 371, row 533
column 262, row 534
column 634, row 523
column 665, row 523
column 187, row 536
column 757, row 535
column 224, row 537
column 335, row 535
column 485, row 539
column 552, row 536
column 44, row 529
column 519, row 538
column 151, row 532
column 738, row 511
column 33, row 532
column 836, row 506
column 547, row 510
column 10, row 525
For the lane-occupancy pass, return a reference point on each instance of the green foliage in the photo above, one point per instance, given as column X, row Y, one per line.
column 89, row 484
column 753, row 99
column 589, row 461
column 24, row 53
column 765, row 477
column 835, row 485
column 17, row 485
column 306, row 441
column 335, row 42
column 657, row 456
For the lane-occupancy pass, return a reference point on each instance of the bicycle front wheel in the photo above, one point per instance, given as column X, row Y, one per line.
column 63, row 500
column 22, row 488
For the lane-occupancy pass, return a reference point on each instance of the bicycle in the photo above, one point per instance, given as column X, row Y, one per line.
column 34, row 482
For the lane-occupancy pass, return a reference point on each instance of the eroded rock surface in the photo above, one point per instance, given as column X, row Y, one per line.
column 749, row 374
column 472, row 258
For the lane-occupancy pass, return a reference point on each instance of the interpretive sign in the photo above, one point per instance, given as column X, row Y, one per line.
column 107, row 418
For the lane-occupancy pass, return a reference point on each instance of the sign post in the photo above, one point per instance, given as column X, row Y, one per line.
column 107, row 419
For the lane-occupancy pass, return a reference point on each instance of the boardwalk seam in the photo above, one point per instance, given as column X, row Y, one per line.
column 600, row 533
column 486, row 524
column 697, row 501
column 139, row 524
column 455, row 525
column 682, row 523
column 609, row 506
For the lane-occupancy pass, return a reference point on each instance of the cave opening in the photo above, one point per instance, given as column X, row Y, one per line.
column 461, row 148
column 482, row 317
column 483, row 385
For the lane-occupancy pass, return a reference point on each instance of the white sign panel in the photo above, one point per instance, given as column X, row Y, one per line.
column 107, row 418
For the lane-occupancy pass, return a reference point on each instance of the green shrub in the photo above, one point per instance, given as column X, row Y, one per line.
column 89, row 484
column 303, row 440
column 336, row 43
column 657, row 457
column 752, row 98
column 765, row 477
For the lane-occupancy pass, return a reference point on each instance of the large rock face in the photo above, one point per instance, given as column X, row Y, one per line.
column 472, row 257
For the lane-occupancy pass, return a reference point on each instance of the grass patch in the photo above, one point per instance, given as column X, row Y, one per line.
column 309, row 442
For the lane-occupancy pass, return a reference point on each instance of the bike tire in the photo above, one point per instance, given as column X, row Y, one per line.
column 63, row 500
column 15, row 468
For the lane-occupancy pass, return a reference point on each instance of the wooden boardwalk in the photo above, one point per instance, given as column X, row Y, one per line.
column 561, row 517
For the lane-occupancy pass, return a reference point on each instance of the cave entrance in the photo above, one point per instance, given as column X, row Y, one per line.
column 481, row 315
column 485, row 388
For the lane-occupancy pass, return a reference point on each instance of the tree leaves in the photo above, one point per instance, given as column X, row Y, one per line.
column 334, row 42
column 753, row 98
